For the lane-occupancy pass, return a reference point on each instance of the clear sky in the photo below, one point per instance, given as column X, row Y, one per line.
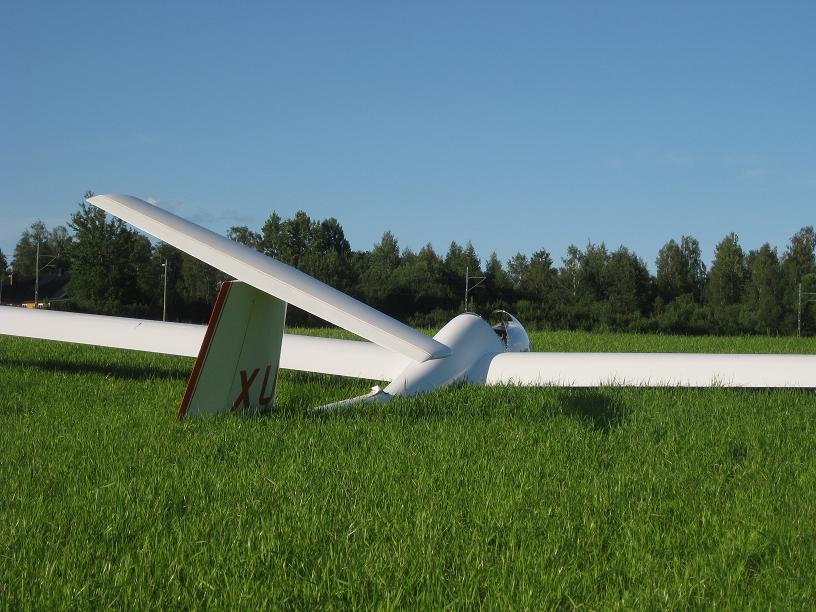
column 519, row 126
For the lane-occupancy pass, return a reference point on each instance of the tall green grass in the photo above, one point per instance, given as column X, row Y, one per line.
column 503, row 498
column 656, row 343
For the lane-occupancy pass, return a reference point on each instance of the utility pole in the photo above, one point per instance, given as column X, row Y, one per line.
column 468, row 288
column 37, row 273
column 37, row 277
column 164, row 300
column 799, row 314
column 467, row 282
column 805, row 297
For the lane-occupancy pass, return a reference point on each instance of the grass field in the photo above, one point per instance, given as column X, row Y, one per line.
column 500, row 498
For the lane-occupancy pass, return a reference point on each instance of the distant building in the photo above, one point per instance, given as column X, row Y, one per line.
column 19, row 291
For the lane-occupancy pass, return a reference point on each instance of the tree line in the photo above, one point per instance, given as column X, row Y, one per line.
column 114, row 269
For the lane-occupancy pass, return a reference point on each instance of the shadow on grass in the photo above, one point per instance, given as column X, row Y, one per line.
column 602, row 412
column 84, row 367
column 598, row 409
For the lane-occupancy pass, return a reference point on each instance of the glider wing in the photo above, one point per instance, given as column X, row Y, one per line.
column 117, row 332
column 341, row 357
column 651, row 370
column 273, row 277
column 305, row 353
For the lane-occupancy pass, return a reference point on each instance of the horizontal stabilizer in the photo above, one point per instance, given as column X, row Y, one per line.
column 273, row 277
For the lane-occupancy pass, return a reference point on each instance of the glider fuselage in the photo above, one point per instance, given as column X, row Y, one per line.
column 473, row 344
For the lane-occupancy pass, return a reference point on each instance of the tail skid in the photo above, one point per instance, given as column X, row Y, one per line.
column 376, row 396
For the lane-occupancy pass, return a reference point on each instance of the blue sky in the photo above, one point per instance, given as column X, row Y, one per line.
column 518, row 126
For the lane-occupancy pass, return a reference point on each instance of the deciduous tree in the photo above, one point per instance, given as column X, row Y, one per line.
column 328, row 256
column 25, row 252
column 726, row 283
column 727, row 276
column 497, row 283
column 422, row 291
column 244, row 235
column 377, row 278
column 798, row 262
column 762, row 312
column 109, row 262
column 627, row 287
column 517, row 268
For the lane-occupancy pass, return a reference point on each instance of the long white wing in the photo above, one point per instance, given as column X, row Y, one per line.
column 273, row 277
column 304, row 353
column 117, row 332
column 652, row 370
column 341, row 357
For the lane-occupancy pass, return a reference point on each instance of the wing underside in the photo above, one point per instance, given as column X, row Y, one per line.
column 273, row 277
column 305, row 353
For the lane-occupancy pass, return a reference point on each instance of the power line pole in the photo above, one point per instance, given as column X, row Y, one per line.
column 799, row 314
column 468, row 288
column 467, row 285
column 37, row 277
column 805, row 297
column 37, row 273
column 164, row 299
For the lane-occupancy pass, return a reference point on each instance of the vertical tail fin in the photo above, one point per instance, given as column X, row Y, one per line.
column 237, row 365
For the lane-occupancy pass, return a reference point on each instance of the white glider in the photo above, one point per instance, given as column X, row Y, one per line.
column 239, row 352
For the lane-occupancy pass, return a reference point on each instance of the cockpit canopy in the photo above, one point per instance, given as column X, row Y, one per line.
column 511, row 332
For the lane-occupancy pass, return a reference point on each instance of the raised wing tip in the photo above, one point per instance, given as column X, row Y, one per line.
column 119, row 198
column 273, row 277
